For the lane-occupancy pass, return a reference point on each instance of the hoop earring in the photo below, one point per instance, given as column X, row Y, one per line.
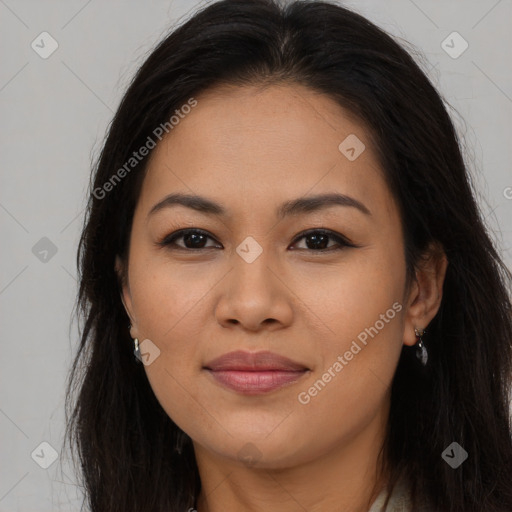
column 421, row 350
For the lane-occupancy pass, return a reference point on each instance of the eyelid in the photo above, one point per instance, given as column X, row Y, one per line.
column 342, row 240
column 170, row 238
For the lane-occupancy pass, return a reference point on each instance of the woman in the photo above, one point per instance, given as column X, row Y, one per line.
column 290, row 299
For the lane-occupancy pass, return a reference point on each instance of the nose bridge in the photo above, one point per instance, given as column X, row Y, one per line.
column 253, row 295
column 252, row 262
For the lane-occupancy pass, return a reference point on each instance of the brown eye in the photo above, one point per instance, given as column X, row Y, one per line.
column 318, row 240
column 192, row 239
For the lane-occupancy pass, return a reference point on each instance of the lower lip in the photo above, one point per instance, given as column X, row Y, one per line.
column 255, row 383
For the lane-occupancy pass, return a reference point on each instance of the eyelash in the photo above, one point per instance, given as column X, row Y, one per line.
column 170, row 239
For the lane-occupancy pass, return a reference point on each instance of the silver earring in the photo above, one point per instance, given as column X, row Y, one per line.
column 136, row 349
column 421, row 351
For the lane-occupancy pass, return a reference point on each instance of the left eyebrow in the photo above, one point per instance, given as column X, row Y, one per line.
column 320, row 202
column 293, row 207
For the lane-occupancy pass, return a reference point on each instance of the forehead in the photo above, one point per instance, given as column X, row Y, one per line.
column 264, row 143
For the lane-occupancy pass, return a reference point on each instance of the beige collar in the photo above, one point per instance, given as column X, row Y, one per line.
column 399, row 502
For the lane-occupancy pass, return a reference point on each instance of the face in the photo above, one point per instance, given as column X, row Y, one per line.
column 268, row 269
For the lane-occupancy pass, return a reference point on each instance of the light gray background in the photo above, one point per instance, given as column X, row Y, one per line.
column 54, row 113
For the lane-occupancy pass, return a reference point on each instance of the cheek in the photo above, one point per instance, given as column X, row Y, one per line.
column 362, row 322
column 168, row 303
column 359, row 354
column 352, row 296
column 166, row 297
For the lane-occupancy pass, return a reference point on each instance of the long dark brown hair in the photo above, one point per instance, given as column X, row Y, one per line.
column 124, row 439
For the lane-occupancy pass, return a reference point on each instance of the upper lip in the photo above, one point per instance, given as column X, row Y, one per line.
column 253, row 361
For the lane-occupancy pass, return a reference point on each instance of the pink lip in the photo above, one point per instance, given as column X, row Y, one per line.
column 254, row 373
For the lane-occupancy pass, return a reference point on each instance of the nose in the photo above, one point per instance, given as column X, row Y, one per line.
column 254, row 296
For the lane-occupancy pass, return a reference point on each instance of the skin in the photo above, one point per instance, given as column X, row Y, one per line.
column 251, row 149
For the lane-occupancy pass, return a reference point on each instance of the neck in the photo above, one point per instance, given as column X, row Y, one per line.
column 347, row 478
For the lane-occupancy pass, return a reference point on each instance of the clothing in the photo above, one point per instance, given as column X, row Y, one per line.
column 400, row 500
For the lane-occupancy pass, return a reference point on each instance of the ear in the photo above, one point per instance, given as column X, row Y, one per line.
column 126, row 297
column 426, row 292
